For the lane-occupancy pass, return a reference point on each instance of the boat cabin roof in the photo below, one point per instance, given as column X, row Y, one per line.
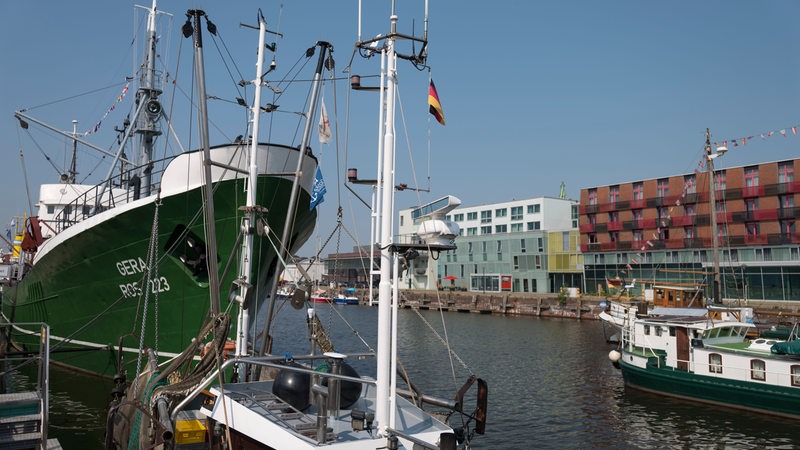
column 687, row 312
column 677, row 288
column 696, row 322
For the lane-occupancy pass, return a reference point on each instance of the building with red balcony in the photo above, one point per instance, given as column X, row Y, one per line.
column 659, row 231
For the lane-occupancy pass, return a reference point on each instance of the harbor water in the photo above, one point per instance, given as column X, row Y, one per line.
column 551, row 384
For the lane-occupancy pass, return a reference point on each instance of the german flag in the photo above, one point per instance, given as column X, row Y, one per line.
column 435, row 105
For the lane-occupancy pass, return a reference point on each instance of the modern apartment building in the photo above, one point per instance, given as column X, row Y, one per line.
column 659, row 231
column 529, row 245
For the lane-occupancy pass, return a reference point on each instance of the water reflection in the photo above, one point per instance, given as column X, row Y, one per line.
column 550, row 385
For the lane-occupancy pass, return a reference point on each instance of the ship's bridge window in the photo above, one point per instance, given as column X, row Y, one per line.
column 795, row 371
column 672, row 331
column 658, row 331
column 647, row 330
column 758, row 370
column 711, row 334
column 723, row 332
column 715, row 363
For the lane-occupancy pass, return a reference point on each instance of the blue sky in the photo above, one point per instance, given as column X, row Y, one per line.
column 534, row 93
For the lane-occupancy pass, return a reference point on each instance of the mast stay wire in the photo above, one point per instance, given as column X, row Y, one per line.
column 444, row 339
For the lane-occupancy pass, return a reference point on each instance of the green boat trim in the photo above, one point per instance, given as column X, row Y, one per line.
column 761, row 398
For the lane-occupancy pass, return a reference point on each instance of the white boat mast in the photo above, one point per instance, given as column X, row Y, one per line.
column 385, row 397
column 249, row 221
column 387, row 287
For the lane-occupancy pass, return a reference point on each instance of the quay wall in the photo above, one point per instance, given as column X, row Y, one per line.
column 505, row 303
column 551, row 305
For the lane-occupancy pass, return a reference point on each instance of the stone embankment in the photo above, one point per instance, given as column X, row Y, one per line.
column 537, row 305
column 551, row 305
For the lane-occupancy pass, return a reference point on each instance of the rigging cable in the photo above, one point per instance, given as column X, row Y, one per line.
column 444, row 339
column 25, row 178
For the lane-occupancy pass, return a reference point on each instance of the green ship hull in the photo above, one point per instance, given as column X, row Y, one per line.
column 90, row 288
column 763, row 398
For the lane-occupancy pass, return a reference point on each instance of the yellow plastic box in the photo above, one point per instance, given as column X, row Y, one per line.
column 189, row 431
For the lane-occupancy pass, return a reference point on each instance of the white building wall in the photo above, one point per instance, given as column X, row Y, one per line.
column 537, row 214
column 316, row 271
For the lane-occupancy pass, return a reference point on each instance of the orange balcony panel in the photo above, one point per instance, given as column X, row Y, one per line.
column 682, row 221
column 606, row 207
column 674, row 243
column 614, row 226
column 757, row 239
column 766, row 214
column 586, row 227
column 608, row 245
column 638, row 204
column 753, row 191
column 647, row 223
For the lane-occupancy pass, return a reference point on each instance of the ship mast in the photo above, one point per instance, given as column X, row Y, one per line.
column 249, row 221
column 283, row 251
column 208, row 191
column 712, row 199
column 148, row 123
column 385, row 381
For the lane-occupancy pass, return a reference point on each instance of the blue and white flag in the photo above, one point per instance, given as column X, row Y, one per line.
column 318, row 191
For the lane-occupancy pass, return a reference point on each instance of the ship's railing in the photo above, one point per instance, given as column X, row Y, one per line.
column 15, row 361
column 118, row 190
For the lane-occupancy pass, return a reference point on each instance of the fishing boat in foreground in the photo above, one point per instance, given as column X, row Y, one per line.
column 94, row 254
column 258, row 400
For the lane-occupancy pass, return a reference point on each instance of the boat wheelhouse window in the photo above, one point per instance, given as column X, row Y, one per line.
column 658, row 331
column 724, row 332
column 647, row 329
column 51, row 209
column 672, row 331
column 715, row 363
column 758, row 370
column 711, row 334
column 795, row 371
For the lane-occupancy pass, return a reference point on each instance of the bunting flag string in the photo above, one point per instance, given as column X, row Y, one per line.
column 735, row 142
column 656, row 236
column 113, row 106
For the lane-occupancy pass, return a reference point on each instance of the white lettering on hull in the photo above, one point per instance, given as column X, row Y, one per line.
column 158, row 285
column 136, row 266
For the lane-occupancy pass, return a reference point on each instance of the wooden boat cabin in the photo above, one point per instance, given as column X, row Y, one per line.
column 678, row 296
